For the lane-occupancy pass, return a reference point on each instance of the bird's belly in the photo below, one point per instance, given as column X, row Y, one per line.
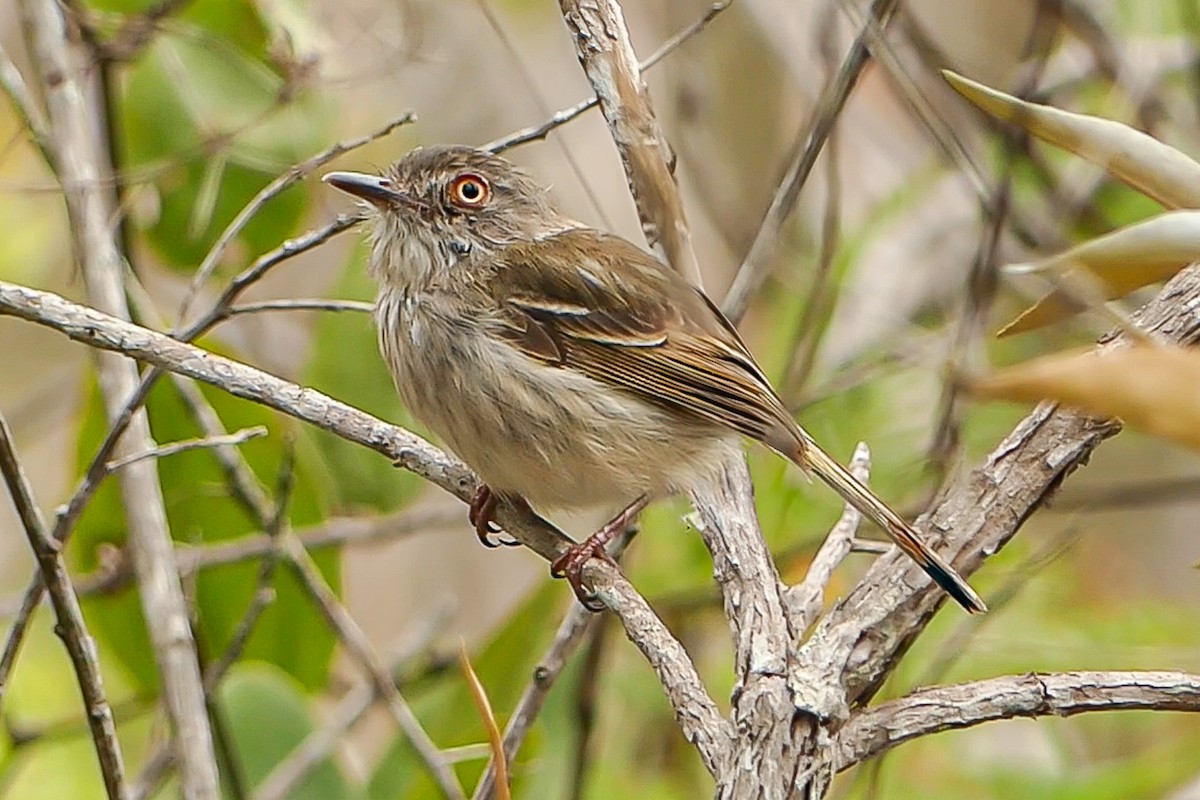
column 552, row 435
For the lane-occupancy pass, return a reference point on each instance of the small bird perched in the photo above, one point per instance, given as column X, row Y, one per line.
column 566, row 366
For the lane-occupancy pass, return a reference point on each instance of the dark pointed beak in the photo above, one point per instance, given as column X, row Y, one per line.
column 372, row 188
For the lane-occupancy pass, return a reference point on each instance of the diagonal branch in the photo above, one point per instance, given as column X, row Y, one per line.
column 71, row 626
column 764, row 738
column 404, row 448
column 976, row 518
column 754, row 267
column 603, row 46
column 1063, row 694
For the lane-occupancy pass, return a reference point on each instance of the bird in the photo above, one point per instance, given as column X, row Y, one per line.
column 568, row 367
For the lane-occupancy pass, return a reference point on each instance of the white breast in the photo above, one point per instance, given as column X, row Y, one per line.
column 552, row 435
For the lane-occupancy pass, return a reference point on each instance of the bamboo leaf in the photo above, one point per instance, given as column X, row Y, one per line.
column 1124, row 260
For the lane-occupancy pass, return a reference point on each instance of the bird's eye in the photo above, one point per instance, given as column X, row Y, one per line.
column 470, row 191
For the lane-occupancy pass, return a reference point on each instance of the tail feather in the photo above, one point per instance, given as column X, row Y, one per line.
column 812, row 457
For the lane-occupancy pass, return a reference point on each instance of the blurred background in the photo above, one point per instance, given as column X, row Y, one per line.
column 856, row 324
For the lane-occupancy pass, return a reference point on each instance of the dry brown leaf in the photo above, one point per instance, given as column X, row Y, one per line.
column 1148, row 165
column 1152, row 389
column 1126, row 259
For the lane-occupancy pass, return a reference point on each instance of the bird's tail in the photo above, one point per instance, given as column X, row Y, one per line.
column 811, row 457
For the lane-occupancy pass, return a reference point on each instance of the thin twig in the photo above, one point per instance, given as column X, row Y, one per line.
column 982, row 282
column 753, row 270
column 358, row 646
column 531, row 86
column 308, row 755
column 587, row 691
column 805, row 599
column 281, row 183
column 22, row 101
column 71, row 626
column 116, row 572
column 300, row 305
column 695, row 712
column 186, row 445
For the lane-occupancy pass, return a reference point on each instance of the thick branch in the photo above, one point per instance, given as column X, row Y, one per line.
column 977, row 518
column 764, row 749
column 942, row 708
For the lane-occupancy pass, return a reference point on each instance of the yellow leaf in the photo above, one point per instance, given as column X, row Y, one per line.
column 1153, row 389
column 1123, row 260
column 1157, row 170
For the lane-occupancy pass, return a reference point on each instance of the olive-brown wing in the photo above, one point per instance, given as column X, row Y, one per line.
column 612, row 312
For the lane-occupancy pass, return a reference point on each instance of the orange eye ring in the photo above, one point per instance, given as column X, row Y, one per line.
column 470, row 191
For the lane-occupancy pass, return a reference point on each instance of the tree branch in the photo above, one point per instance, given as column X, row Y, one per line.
column 71, row 626
column 404, row 448
column 753, row 270
column 77, row 142
column 942, row 708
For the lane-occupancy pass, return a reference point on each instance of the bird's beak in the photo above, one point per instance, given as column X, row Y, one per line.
column 372, row 188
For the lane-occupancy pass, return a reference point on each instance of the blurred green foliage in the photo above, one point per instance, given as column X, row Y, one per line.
column 201, row 122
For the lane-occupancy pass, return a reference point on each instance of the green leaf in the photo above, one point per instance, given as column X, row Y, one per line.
column 200, row 510
column 267, row 719
column 201, row 118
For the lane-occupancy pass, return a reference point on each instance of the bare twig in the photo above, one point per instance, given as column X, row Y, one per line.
column 300, row 305
column 603, row 46
column 115, row 573
column 804, row 600
column 22, row 100
column 753, row 270
column 137, row 31
column 941, row 708
column 307, row 755
column 823, row 289
column 22, row 615
column 562, row 117
column 697, row 715
column 71, row 626
column 201, row 443
column 284, row 181
column 359, row 648
column 76, row 111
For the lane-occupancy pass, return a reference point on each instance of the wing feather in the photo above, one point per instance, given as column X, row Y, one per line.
column 622, row 318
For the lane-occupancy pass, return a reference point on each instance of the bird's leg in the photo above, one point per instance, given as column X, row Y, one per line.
column 481, row 512
column 570, row 564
